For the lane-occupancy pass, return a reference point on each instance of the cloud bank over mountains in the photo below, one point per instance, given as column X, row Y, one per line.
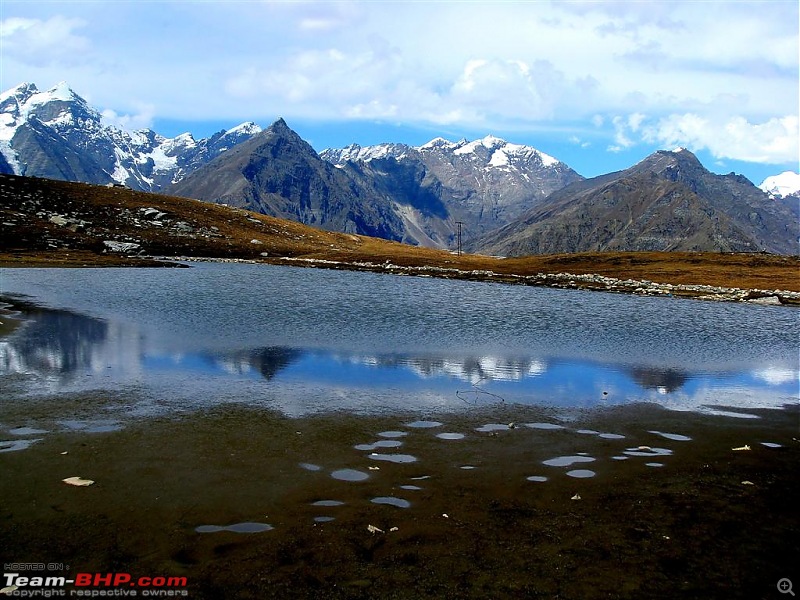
column 717, row 76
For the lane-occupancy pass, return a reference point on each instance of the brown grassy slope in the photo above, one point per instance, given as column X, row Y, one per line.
column 94, row 214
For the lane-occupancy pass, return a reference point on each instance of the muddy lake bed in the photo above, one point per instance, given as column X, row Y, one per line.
column 292, row 433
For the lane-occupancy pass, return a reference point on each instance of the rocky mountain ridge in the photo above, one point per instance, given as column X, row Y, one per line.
column 483, row 184
column 56, row 134
column 509, row 198
column 667, row 202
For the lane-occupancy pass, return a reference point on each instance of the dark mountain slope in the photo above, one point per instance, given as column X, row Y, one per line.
column 277, row 173
column 484, row 184
column 667, row 202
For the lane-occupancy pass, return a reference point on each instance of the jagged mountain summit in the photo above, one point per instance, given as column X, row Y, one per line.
column 509, row 198
column 57, row 135
column 484, row 183
column 277, row 173
column 668, row 201
column 784, row 185
column 393, row 191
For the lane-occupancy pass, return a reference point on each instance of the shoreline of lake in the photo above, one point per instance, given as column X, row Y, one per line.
column 554, row 280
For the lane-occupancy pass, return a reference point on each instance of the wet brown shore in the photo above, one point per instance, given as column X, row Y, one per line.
column 691, row 528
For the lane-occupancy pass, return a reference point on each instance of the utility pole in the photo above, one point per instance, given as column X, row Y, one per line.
column 459, row 223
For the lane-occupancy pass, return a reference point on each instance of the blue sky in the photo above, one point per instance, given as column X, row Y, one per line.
column 599, row 85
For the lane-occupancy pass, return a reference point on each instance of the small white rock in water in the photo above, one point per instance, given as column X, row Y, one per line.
column 576, row 497
column 78, row 481
column 373, row 529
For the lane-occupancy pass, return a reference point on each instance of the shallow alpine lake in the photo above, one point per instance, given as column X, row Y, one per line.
column 304, row 340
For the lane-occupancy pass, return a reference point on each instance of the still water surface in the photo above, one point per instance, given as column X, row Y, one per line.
column 303, row 340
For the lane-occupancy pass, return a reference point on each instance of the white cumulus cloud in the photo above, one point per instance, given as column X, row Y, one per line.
column 130, row 122
column 38, row 42
column 775, row 140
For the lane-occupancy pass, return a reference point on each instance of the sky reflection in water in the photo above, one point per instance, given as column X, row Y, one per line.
column 741, row 356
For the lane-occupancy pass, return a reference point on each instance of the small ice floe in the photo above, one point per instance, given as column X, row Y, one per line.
column 537, row 478
column 450, row 436
column 566, row 461
column 576, row 497
column 771, row 445
column 746, row 482
column 424, row 424
column 676, row 437
column 394, row 458
column 379, row 444
column 15, row 445
column 647, row 451
column 544, row 426
column 490, row 427
column 349, row 475
column 327, row 503
column 310, row 467
column 78, row 481
column 581, row 473
column 393, row 434
column 373, row 529
column 391, row 501
column 26, row 431
column 324, row 519
column 237, row 528
column 745, row 447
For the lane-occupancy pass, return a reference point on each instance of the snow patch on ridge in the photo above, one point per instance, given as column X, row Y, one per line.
column 784, row 184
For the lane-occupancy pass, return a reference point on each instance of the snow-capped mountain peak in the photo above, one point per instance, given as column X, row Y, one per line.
column 357, row 153
column 61, row 125
column 489, row 142
column 782, row 185
column 438, row 143
column 248, row 128
column 61, row 91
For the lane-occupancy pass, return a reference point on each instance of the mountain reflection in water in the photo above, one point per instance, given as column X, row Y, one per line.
column 315, row 340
